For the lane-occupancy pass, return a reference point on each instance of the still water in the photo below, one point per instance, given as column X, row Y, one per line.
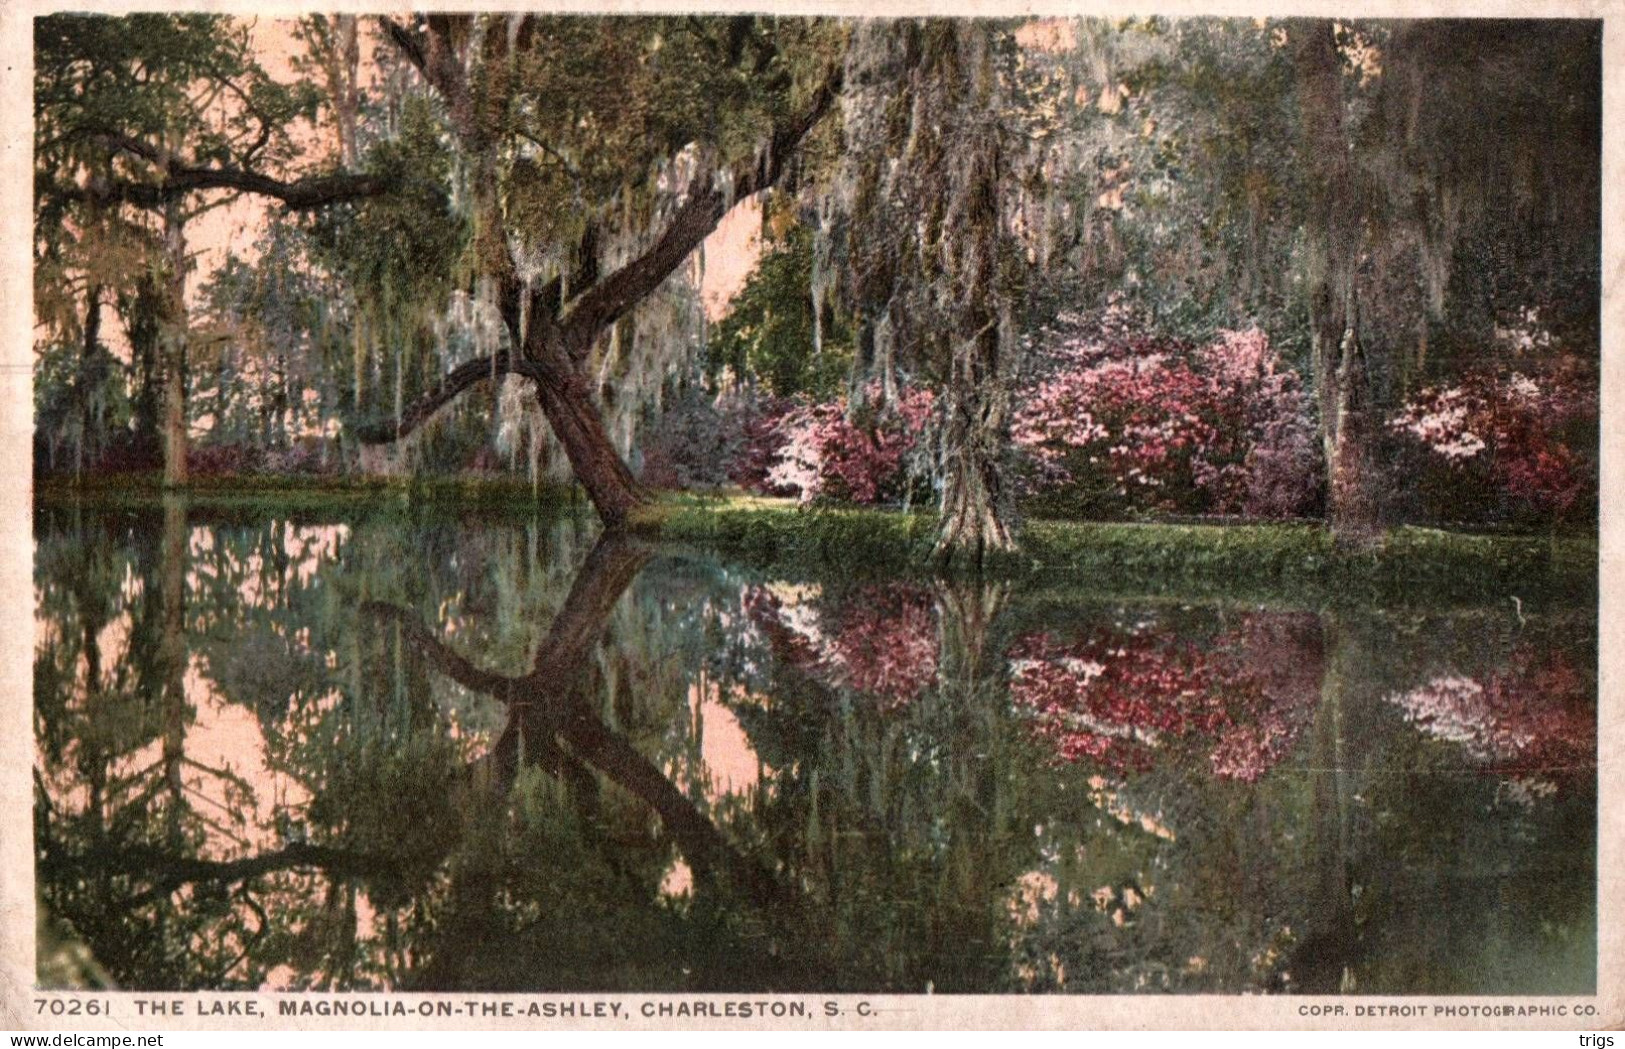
column 405, row 749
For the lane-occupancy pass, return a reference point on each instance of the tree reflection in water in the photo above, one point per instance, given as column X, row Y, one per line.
column 400, row 750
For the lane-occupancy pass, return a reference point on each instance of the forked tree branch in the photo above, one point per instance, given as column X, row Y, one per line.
column 610, row 299
column 605, row 300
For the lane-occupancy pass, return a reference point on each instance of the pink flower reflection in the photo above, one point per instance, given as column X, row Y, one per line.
column 1120, row 697
column 1532, row 719
column 882, row 641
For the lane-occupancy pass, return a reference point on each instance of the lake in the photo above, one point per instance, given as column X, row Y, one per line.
column 377, row 745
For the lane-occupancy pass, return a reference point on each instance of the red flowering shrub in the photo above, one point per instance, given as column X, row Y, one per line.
column 812, row 450
column 1278, row 660
column 1114, row 698
column 1262, row 402
column 1132, row 423
column 1511, row 436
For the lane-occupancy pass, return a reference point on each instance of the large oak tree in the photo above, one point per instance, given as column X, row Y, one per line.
column 589, row 192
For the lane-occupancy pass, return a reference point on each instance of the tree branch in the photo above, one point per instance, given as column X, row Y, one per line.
column 441, row 656
column 169, row 872
column 181, row 178
column 433, row 55
column 612, row 297
column 405, row 41
column 454, row 383
column 313, row 191
column 547, row 705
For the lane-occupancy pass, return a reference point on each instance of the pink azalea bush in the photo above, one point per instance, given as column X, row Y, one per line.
column 1511, row 435
column 754, row 421
column 1128, row 422
column 814, row 450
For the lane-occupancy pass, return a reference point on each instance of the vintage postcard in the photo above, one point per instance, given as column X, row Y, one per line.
column 675, row 514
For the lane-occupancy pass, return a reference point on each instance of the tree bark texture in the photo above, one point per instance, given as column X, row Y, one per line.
column 566, row 399
column 1333, row 231
column 976, row 424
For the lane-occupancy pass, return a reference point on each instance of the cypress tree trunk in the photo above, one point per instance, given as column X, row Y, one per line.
column 1332, row 230
column 344, row 80
column 973, row 522
column 143, row 311
column 977, row 416
column 572, row 412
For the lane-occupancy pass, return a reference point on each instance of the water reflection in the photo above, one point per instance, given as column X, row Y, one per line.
column 393, row 749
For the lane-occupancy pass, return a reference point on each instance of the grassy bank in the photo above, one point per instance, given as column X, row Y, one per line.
column 1295, row 564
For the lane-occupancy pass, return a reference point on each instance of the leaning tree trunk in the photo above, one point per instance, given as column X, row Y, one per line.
column 563, row 391
column 551, row 333
column 572, row 412
column 1332, row 230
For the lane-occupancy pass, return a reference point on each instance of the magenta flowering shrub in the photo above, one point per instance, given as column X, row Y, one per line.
column 1132, row 423
column 758, row 441
column 1513, row 436
column 1256, row 396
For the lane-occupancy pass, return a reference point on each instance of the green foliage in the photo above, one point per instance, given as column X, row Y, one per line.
column 140, row 76
column 400, row 252
column 389, row 265
column 119, row 104
column 588, row 149
column 767, row 338
column 978, row 183
column 79, row 401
